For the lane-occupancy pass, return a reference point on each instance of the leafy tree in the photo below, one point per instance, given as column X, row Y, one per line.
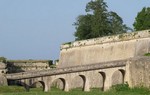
column 116, row 25
column 98, row 22
column 83, row 26
column 142, row 21
column 99, row 19
column 3, row 59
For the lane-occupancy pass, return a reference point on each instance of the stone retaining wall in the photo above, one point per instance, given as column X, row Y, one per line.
column 105, row 49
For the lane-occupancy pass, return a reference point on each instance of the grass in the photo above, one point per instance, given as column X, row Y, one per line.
column 115, row 90
column 147, row 54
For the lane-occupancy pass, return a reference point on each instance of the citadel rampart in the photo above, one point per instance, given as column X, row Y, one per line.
column 134, row 71
column 105, row 49
column 3, row 80
column 15, row 66
column 95, row 63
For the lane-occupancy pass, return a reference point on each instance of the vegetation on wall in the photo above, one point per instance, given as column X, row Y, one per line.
column 142, row 21
column 3, row 59
column 98, row 22
column 147, row 54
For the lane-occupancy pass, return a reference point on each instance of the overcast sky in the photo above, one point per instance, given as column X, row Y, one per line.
column 35, row 29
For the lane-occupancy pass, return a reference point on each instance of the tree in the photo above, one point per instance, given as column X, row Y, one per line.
column 116, row 24
column 3, row 59
column 83, row 26
column 98, row 22
column 142, row 21
column 99, row 19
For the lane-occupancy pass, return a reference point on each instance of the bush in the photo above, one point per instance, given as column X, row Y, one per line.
column 121, row 87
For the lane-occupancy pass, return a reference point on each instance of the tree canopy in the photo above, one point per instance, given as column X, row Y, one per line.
column 142, row 21
column 98, row 22
column 2, row 59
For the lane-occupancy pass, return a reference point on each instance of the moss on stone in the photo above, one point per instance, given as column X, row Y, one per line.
column 147, row 54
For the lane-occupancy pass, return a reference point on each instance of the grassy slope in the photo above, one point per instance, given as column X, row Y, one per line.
column 118, row 90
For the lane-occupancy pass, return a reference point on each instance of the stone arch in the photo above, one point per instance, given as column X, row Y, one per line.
column 3, row 80
column 60, row 83
column 103, row 75
column 39, row 82
column 118, row 77
column 80, row 81
column 21, row 83
column 97, row 79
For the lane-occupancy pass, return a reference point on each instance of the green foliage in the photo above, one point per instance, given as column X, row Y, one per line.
column 9, row 89
column 53, row 66
column 147, row 54
column 68, row 43
column 121, row 87
column 98, row 22
column 116, row 90
column 142, row 21
column 3, row 59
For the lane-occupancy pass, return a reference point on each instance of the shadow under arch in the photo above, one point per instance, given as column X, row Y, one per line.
column 103, row 79
column 123, row 74
column 80, row 81
column 118, row 77
column 42, row 84
column 60, row 83
column 20, row 83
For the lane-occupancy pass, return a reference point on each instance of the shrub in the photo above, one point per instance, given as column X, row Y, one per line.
column 121, row 87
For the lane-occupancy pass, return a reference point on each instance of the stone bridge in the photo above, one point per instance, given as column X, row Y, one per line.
column 96, row 63
column 102, row 76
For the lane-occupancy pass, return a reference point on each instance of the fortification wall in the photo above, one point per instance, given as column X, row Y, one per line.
column 105, row 49
column 3, row 80
column 139, row 72
column 15, row 66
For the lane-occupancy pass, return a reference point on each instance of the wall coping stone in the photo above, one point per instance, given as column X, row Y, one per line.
column 108, row 39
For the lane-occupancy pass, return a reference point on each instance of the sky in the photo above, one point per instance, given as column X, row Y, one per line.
column 35, row 29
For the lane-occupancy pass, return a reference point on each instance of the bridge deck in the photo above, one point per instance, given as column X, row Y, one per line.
column 56, row 71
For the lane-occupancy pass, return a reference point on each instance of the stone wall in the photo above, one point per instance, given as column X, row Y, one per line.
column 105, row 49
column 139, row 72
column 2, row 68
column 3, row 80
column 15, row 66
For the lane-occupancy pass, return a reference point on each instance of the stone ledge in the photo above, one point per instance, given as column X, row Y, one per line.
column 57, row 71
column 29, row 61
column 73, row 69
column 108, row 39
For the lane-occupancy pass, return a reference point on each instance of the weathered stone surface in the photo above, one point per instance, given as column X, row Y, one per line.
column 105, row 49
column 134, row 71
column 139, row 69
column 3, row 79
column 67, row 70
column 16, row 66
column 100, row 62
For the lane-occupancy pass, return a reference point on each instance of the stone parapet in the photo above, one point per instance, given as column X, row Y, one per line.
column 105, row 49
column 108, row 39
column 15, row 66
column 57, row 71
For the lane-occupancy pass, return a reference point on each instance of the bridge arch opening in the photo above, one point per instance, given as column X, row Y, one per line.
column 40, row 85
column 59, row 83
column 118, row 77
column 80, row 82
column 97, row 80
column 103, row 76
column 20, row 83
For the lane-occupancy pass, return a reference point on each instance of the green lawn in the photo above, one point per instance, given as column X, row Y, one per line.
column 117, row 90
